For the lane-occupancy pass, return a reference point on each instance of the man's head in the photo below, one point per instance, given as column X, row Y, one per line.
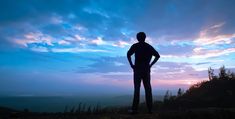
column 141, row 36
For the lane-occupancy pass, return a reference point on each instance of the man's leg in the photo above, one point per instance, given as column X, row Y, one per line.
column 137, row 82
column 148, row 91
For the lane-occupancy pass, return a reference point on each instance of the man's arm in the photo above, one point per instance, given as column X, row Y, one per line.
column 130, row 62
column 155, row 60
column 129, row 53
column 156, row 57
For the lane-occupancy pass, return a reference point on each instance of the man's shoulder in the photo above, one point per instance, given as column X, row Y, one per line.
column 142, row 44
column 134, row 45
column 148, row 45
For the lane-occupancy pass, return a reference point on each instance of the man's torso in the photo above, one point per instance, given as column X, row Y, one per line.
column 143, row 55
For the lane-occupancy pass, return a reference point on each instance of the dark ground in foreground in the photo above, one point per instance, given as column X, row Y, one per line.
column 205, row 113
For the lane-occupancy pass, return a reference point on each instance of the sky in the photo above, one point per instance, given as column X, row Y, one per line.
column 78, row 47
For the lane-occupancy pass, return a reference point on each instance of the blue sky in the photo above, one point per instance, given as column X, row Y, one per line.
column 78, row 47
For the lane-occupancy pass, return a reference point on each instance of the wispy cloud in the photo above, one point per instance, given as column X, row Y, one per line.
column 210, row 40
column 211, row 36
column 218, row 39
column 39, row 49
column 121, row 44
column 34, row 37
column 98, row 41
column 75, row 50
column 213, row 53
column 63, row 42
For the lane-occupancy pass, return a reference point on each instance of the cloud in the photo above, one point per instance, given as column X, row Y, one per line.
column 118, row 63
column 98, row 41
column 75, row 50
column 56, row 20
column 106, row 64
column 34, row 37
column 212, row 43
column 121, row 44
column 79, row 38
column 106, row 81
column 177, row 48
column 64, row 42
column 210, row 36
column 213, row 53
column 202, row 54
column 96, row 11
column 39, row 49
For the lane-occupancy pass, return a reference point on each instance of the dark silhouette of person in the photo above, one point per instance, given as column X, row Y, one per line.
column 143, row 55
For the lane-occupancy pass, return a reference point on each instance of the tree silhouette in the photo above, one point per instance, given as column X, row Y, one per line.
column 223, row 74
column 210, row 73
column 218, row 91
column 167, row 96
column 180, row 92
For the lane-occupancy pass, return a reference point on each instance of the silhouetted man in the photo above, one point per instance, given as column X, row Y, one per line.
column 143, row 54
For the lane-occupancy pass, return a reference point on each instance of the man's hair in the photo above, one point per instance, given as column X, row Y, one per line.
column 141, row 36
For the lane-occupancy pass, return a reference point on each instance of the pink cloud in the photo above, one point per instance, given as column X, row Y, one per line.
column 98, row 41
column 34, row 37
column 211, row 36
column 201, row 53
column 64, row 42
column 121, row 44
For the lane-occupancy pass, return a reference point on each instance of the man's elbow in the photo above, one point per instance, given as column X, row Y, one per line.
column 157, row 56
column 128, row 54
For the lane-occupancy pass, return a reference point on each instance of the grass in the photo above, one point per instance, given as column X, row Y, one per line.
column 96, row 112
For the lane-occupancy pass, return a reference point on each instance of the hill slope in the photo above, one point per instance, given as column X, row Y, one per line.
column 219, row 91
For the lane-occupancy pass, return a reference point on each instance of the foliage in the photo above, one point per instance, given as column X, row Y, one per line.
column 218, row 91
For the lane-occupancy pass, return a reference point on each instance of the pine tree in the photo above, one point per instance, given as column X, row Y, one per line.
column 223, row 74
column 210, row 73
column 179, row 93
column 167, row 96
column 233, row 76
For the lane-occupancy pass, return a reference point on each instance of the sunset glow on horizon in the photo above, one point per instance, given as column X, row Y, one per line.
column 78, row 47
